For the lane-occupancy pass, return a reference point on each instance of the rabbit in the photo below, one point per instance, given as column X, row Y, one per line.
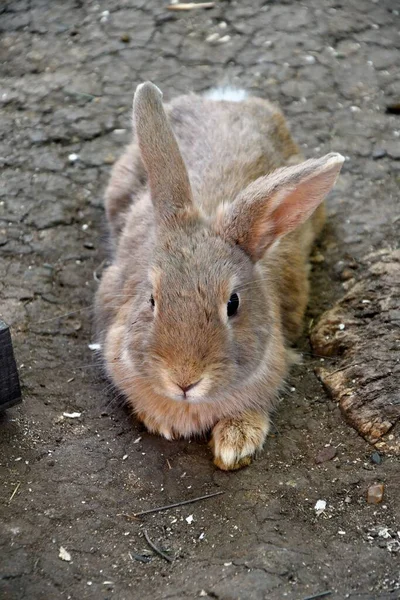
column 212, row 213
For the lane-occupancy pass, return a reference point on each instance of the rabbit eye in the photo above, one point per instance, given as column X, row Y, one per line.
column 152, row 302
column 233, row 305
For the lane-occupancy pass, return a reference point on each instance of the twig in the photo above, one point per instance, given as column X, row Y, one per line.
column 320, row 595
column 191, row 5
column 14, row 492
column 169, row 464
column 160, row 508
column 157, row 550
column 132, row 517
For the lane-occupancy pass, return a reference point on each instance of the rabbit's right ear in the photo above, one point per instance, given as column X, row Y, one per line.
column 168, row 178
column 276, row 204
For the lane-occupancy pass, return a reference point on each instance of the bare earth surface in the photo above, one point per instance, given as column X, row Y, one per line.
column 68, row 74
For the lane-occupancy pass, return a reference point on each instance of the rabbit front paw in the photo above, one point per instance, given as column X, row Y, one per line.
column 235, row 441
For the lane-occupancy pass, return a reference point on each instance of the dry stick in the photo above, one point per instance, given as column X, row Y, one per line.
column 190, row 5
column 160, row 508
column 157, row 550
column 316, row 596
column 14, row 492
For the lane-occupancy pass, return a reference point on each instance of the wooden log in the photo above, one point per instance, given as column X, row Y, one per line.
column 10, row 391
column 363, row 331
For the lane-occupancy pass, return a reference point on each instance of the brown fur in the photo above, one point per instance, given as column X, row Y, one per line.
column 198, row 207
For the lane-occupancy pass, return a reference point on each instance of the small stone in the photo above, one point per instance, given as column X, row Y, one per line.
column 342, row 326
column 379, row 153
column 213, row 37
column 375, row 493
column 94, row 347
column 126, row 38
column 64, row 555
column 320, row 506
column 109, row 159
column 393, row 149
column 376, row 458
column 310, row 60
column 317, row 258
column 189, row 519
column 346, row 274
column 325, row 454
column 73, row 157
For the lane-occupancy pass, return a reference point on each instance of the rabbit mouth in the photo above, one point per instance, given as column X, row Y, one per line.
column 195, row 392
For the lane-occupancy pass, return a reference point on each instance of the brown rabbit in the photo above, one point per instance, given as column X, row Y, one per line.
column 208, row 284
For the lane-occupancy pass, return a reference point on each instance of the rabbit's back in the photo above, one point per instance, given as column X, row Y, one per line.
column 227, row 145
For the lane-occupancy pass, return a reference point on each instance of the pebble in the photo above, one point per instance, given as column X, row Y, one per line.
column 376, row 458
column 310, row 60
column 317, row 258
column 379, row 153
column 320, row 506
column 125, row 37
column 109, row 159
column 375, row 493
column 325, row 454
column 213, row 37
column 64, row 555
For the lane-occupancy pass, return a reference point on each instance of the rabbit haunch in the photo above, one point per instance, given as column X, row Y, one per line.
column 196, row 207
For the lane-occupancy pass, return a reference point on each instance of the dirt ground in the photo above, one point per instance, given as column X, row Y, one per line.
column 68, row 73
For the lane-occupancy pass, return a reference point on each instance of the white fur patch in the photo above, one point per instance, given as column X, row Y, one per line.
column 226, row 93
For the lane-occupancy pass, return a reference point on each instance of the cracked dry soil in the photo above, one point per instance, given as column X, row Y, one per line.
column 68, row 74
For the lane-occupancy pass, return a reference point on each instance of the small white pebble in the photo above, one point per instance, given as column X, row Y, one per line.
column 89, row 583
column 125, row 456
column 222, row 25
column 341, row 532
column 310, row 60
column 201, row 536
column 119, row 131
column 227, row 564
column 73, row 415
column 64, row 555
column 137, row 440
column 213, row 37
column 320, row 506
column 189, row 519
column 108, row 583
column 94, row 346
column 341, row 326
column 366, row 301
column 73, row 157
column 292, row 389
column 85, row 227
column 18, row 459
column 224, row 39
column 203, row 593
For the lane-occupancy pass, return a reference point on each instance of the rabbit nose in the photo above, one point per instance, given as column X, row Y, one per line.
column 186, row 388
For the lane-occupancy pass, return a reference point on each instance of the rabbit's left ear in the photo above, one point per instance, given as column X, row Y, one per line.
column 276, row 204
column 169, row 184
